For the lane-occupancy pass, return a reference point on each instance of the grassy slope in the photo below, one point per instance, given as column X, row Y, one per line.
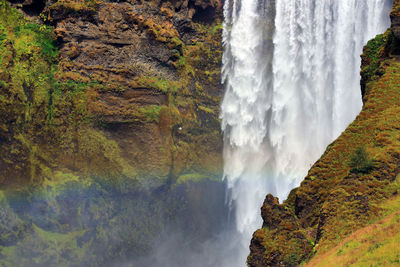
column 377, row 243
column 374, row 245
column 351, row 198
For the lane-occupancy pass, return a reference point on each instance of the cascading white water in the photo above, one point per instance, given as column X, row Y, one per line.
column 291, row 71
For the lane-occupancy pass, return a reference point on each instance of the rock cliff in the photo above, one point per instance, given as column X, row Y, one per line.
column 109, row 128
column 344, row 189
column 141, row 77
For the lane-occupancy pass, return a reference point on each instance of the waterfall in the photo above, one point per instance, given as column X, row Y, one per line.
column 291, row 70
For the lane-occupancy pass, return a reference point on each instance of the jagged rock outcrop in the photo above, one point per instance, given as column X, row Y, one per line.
column 335, row 198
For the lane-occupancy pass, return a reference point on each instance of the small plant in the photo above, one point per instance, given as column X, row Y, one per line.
column 360, row 161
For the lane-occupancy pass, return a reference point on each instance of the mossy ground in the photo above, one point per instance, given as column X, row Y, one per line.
column 374, row 245
column 348, row 200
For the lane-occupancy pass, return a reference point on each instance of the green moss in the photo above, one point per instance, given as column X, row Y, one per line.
column 40, row 107
column 396, row 7
column 28, row 53
column 52, row 117
column 373, row 245
column 54, row 244
column 54, row 146
column 161, row 84
column 375, row 50
column 70, row 7
column 203, row 57
column 206, row 109
column 193, row 177
column 149, row 113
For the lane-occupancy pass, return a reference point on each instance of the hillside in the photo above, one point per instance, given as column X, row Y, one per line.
column 376, row 244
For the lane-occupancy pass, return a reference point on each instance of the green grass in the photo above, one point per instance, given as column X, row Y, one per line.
column 160, row 84
column 150, row 113
column 374, row 245
column 373, row 52
column 376, row 128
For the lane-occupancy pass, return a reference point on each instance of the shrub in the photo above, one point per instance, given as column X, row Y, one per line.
column 360, row 161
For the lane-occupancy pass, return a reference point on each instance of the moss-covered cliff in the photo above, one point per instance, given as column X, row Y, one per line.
column 344, row 190
column 128, row 89
column 109, row 129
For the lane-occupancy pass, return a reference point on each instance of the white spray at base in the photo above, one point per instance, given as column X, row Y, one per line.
column 291, row 70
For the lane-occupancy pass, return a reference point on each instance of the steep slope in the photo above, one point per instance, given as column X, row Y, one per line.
column 343, row 189
column 375, row 244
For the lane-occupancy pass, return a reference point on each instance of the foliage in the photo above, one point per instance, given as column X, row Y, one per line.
column 360, row 162
column 373, row 52
column 161, row 84
column 150, row 113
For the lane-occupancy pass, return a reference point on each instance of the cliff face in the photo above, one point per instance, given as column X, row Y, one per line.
column 395, row 17
column 131, row 89
column 344, row 188
column 109, row 130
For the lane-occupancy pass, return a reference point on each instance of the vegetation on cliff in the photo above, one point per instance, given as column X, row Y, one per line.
column 345, row 189
column 106, row 106
column 376, row 244
column 109, row 116
column 46, row 121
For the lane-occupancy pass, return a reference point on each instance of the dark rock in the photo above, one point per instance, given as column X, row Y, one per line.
column 395, row 18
